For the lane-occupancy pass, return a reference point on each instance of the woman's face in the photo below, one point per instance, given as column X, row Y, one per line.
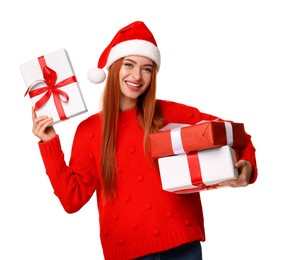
column 134, row 78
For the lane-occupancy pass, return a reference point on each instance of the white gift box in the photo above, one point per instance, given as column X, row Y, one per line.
column 58, row 61
column 203, row 170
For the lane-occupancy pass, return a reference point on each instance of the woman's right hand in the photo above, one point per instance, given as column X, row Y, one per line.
column 42, row 128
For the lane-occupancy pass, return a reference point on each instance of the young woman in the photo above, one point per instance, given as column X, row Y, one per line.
column 110, row 156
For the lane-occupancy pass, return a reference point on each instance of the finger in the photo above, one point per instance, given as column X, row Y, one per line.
column 36, row 118
column 230, row 183
column 39, row 119
column 33, row 113
column 41, row 124
column 38, row 122
column 239, row 163
column 240, row 182
column 44, row 123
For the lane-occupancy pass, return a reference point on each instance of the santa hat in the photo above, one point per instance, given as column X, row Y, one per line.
column 134, row 39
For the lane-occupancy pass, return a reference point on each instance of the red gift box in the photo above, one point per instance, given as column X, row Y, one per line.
column 189, row 138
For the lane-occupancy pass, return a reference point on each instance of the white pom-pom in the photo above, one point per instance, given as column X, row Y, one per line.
column 96, row 75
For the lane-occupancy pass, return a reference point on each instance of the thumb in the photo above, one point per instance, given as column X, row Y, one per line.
column 239, row 163
column 33, row 113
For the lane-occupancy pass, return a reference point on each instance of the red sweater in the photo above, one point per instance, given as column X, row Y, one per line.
column 143, row 218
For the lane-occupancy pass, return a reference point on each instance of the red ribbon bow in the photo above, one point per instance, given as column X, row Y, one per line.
column 50, row 78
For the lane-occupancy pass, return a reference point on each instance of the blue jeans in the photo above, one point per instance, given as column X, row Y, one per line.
column 189, row 251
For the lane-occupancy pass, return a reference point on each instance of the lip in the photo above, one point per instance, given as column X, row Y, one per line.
column 133, row 86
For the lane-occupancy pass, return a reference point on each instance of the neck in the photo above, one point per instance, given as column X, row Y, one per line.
column 127, row 104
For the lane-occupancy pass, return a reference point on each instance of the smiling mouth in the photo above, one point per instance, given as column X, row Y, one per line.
column 133, row 85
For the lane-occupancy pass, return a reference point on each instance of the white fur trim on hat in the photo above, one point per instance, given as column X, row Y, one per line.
column 134, row 47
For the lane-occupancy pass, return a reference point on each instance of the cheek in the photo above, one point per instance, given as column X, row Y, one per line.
column 121, row 76
column 147, row 79
column 146, row 87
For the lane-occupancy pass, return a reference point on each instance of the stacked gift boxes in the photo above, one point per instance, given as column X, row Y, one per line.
column 53, row 87
column 197, row 157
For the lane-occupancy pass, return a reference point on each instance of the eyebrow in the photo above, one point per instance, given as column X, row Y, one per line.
column 126, row 59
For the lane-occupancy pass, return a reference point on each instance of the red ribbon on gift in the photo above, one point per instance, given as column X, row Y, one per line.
column 195, row 175
column 50, row 78
column 195, row 170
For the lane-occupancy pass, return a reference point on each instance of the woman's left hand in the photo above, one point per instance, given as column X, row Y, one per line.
column 245, row 169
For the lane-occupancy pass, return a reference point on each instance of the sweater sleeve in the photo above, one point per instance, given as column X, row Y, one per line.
column 74, row 184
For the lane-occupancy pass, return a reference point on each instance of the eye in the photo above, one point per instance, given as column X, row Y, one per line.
column 148, row 69
column 128, row 65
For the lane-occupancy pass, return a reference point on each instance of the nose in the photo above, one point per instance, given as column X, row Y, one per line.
column 136, row 73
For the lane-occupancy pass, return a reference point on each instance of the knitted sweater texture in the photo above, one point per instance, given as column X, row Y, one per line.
column 142, row 218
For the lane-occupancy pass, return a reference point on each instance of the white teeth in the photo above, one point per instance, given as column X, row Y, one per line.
column 133, row 85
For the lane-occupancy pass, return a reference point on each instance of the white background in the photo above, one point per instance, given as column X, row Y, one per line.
column 223, row 57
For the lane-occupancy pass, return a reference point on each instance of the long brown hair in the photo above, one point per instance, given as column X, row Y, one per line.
column 149, row 116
